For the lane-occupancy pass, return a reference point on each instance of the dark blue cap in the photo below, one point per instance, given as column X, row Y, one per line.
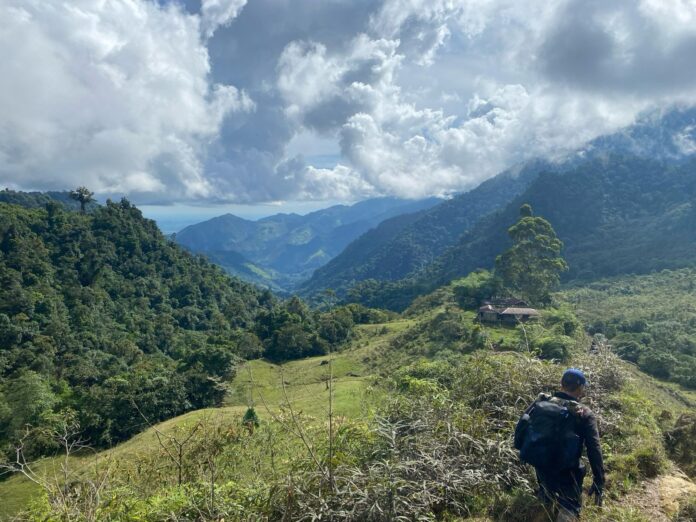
column 574, row 375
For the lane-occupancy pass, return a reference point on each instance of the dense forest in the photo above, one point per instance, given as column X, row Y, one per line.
column 615, row 215
column 648, row 319
column 101, row 315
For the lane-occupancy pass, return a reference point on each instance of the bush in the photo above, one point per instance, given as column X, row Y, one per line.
column 563, row 318
column 687, row 511
column 680, row 442
column 557, row 347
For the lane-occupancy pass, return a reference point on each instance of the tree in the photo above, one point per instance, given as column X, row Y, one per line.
column 531, row 268
column 83, row 195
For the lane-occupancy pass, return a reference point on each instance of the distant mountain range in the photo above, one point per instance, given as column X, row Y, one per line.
column 282, row 250
column 622, row 204
column 406, row 244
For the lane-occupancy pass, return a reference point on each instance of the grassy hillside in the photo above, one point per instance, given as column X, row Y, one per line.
column 423, row 411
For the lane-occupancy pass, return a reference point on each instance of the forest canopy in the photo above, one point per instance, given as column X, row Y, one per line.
column 102, row 315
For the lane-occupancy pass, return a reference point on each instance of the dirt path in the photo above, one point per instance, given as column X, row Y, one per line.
column 658, row 499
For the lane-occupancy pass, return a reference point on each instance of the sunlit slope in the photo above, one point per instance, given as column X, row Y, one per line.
column 429, row 331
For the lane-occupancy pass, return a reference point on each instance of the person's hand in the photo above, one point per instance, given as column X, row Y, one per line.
column 597, row 491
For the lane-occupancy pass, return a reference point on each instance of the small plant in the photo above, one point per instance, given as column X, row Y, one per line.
column 250, row 420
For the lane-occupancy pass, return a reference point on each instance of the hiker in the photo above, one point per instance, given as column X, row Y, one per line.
column 550, row 436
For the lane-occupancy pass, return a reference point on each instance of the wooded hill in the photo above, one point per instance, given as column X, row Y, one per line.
column 615, row 215
column 410, row 247
column 101, row 315
column 405, row 244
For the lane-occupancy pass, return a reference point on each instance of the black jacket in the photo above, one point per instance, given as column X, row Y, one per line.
column 586, row 428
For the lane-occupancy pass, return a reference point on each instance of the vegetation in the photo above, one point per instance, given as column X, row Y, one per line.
column 402, row 246
column 334, row 413
column 532, row 266
column 648, row 320
column 615, row 215
column 40, row 199
column 428, row 438
column 103, row 316
column 83, row 196
column 282, row 250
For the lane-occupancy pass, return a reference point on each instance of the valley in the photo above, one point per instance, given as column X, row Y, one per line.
column 405, row 370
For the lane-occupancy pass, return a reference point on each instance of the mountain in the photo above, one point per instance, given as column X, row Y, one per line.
column 280, row 250
column 621, row 204
column 616, row 215
column 401, row 247
column 99, row 311
column 404, row 244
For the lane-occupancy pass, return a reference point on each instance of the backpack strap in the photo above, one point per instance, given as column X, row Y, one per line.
column 543, row 397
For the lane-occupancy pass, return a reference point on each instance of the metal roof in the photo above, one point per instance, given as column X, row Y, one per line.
column 519, row 311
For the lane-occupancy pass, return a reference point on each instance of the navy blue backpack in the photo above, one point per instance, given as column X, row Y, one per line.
column 546, row 437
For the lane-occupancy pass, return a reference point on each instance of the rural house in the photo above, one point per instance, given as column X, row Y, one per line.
column 509, row 311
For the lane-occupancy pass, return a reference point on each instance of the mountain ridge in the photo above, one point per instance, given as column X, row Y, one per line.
column 289, row 247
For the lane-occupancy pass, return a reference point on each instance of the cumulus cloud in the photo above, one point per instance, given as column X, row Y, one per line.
column 115, row 95
column 219, row 13
column 413, row 97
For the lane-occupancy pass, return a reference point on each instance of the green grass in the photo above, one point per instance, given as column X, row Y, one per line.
column 258, row 271
column 305, row 388
column 374, row 352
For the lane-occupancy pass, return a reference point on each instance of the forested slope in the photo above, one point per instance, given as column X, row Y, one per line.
column 101, row 315
column 282, row 250
column 615, row 215
column 405, row 244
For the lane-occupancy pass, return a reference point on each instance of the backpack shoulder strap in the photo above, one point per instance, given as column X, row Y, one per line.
column 543, row 397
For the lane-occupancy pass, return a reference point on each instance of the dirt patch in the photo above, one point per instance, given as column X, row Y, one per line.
column 674, row 489
column 658, row 499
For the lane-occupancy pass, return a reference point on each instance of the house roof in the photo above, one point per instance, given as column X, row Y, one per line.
column 487, row 308
column 519, row 311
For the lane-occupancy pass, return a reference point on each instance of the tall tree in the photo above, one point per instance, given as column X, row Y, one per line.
column 532, row 267
column 83, row 195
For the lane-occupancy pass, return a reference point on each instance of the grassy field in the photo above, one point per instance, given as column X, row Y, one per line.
column 269, row 387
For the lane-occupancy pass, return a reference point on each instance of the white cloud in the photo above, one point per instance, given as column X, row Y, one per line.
column 219, row 13
column 421, row 97
column 112, row 94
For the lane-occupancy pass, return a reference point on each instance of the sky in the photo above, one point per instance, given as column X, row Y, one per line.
column 196, row 107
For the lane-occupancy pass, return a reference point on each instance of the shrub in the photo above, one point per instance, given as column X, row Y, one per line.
column 556, row 347
column 563, row 318
column 680, row 442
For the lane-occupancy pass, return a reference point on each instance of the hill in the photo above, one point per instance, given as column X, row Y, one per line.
column 99, row 310
column 427, row 250
column 422, row 414
column 104, row 318
column 615, row 215
column 40, row 199
column 282, row 250
column 405, row 244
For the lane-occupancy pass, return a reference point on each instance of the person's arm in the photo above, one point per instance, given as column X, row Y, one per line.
column 594, row 450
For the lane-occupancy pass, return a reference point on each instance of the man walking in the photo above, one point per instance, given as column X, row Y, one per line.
column 551, row 434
